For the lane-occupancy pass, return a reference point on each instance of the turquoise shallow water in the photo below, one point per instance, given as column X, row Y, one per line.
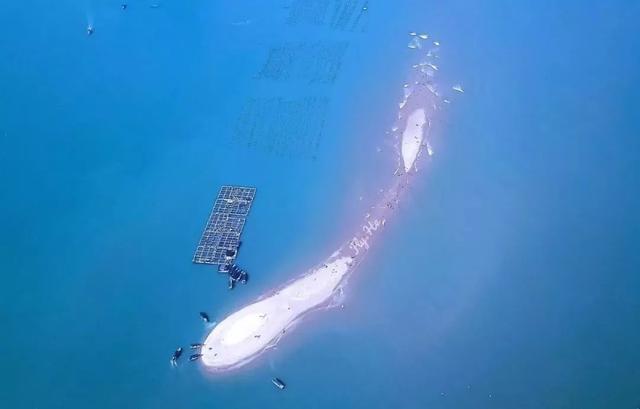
column 508, row 279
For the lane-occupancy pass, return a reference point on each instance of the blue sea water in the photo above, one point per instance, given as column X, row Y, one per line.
column 509, row 278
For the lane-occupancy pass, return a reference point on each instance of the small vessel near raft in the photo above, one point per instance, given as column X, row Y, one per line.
column 236, row 275
column 278, row 383
column 195, row 357
column 176, row 356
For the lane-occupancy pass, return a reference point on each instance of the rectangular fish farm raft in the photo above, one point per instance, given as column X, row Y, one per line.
column 221, row 237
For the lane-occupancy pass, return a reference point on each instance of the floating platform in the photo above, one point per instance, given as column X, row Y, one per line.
column 221, row 236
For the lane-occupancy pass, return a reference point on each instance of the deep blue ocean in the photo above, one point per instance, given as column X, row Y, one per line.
column 509, row 278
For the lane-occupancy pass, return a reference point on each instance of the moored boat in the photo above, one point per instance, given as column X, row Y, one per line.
column 278, row 383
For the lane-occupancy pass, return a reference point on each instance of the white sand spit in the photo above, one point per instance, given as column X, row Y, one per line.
column 412, row 137
column 255, row 327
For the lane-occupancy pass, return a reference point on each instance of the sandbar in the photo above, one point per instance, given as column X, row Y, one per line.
column 243, row 335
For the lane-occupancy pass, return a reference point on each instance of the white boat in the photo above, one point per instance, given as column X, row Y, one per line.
column 278, row 383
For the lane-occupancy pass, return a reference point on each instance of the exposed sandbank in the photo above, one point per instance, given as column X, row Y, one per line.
column 412, row 137
column 253, row 328
column 246, row 333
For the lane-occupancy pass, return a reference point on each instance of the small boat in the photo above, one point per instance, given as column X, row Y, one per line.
column 195, row 357
column 204, row 316
column 175, row 356
column 458, row 88
column 90, row 30
column 236, row 274
column 278, row 383
column 195, row 346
